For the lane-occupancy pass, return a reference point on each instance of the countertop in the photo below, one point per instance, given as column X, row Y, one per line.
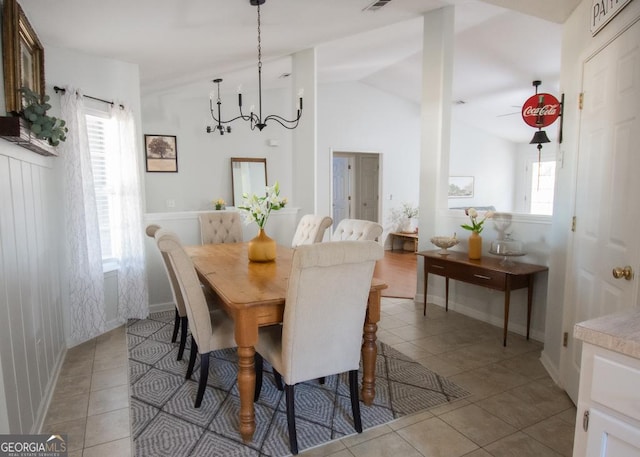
column 619, row 332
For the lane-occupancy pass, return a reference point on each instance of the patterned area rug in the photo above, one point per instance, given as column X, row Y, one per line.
column 165, row 423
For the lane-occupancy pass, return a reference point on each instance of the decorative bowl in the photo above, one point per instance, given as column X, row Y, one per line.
column 444, row 243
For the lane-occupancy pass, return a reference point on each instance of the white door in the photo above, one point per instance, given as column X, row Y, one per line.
column 607, row 211
column 368, row 166
column 341, row 189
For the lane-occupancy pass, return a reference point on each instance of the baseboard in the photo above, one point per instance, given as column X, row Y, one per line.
column 48, row 394
column 160, row 307
column 553, row 371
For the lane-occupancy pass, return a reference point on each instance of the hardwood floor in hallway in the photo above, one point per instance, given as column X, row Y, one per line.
column 398, row 270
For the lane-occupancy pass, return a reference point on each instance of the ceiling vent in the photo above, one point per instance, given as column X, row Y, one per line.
column 375, row 6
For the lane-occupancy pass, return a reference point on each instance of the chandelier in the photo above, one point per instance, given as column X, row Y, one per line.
column 254, row 119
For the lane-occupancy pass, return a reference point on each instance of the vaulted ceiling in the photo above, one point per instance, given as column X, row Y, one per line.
column 498, row 51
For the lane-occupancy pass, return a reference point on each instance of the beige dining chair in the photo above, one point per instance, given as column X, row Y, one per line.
column 220, row 227
column 310, row 229
column 356, row 229
column 180, row 320
column 322, row 327
column 211, row 330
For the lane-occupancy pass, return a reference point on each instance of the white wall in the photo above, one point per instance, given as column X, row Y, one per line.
column 204, row 165
column 355, row 117
column 492, row 163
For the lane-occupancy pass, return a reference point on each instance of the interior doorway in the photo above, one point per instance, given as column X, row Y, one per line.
column 355, row 186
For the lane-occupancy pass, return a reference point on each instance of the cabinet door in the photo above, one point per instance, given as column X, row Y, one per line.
column 611, row 437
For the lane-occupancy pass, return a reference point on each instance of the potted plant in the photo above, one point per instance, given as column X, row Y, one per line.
column 42, row 126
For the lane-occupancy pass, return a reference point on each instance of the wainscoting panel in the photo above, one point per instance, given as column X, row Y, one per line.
column 31, row 316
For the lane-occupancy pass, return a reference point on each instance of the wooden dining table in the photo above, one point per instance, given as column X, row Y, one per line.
column 253, row 294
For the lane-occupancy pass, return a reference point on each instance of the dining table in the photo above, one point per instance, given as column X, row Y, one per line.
column 253, row 294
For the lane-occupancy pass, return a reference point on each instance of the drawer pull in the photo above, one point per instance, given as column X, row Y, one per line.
column 482, row 277
column 437, row 266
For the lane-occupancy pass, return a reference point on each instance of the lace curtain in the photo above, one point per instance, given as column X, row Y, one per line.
column 83, row 253
column 127, row 224
column 87, row 317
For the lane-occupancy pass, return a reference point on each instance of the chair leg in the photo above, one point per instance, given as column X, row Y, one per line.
column 278, row 378
column 355, row 400
column 176, row 326
column 183, row 336
column 291, row 419
column 204, row 375
column 257, row 361
column 192, row 358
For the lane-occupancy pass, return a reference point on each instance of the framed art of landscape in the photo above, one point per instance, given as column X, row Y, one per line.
column 161, row 153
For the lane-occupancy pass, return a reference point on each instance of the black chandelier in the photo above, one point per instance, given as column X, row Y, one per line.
column 255, row 120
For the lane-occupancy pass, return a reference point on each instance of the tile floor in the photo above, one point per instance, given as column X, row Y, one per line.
column 514, row 408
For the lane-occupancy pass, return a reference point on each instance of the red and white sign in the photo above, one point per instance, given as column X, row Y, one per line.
column 541, row 110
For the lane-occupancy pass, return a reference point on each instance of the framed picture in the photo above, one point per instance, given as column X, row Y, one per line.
column 162, row 153
column 23, row 56
column 460, row 186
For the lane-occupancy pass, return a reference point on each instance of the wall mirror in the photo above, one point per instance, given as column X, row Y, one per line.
column 247, row 175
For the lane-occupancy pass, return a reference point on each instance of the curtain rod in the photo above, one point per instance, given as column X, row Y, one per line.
column 63, row 90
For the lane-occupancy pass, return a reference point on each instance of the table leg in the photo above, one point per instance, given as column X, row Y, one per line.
column 446, row 302
column 426, row 280
column 369, row 348
column 529, row 302
column 507, row 298
column 246, row 330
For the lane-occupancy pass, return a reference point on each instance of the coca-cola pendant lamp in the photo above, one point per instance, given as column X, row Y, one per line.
column 254, row 119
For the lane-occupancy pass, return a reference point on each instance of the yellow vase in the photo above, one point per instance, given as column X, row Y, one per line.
column 475, row 246
column 262, row 248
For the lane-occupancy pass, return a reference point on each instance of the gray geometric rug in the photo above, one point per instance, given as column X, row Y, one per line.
column 165, row 423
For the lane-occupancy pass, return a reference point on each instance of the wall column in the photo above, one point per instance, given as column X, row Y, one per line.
column 437, row 76
column 304, row 138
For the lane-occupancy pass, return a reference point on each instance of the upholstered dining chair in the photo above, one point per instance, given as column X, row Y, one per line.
column 210, row 329
column 220, row 227
column 356, row 229
column 180, row 321
column 310, row 229
column 321, row 333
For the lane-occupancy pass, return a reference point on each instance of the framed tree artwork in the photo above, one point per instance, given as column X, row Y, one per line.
column 161, row 153
column 23, row 56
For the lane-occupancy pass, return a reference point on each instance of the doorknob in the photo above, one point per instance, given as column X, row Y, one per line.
column 626, row 273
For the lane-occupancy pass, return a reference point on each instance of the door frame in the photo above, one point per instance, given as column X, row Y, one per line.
column 351, row 153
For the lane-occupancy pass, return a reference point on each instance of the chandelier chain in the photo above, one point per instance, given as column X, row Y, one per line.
column 259, row 41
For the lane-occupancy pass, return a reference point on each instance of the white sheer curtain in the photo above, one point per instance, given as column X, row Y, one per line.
column 127, row 224
column 83, row 253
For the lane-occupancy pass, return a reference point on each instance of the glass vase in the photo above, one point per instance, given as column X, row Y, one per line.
column 475, row 246
column 262, row 248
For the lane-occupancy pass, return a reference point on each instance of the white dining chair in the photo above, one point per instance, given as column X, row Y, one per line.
column 310, row 229
column 356, row 229
column 220, row 227
column 180, row 319
column 211, row 330
column 322, row 327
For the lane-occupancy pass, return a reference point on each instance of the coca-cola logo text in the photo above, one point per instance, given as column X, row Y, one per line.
column 541, row 110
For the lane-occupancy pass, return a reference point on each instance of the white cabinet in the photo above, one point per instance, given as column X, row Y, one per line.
column 610, row 397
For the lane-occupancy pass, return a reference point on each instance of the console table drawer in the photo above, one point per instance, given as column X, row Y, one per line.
column 437, row 268
column 478, row 276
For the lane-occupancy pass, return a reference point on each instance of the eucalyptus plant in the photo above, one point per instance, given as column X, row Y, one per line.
column 43, row 126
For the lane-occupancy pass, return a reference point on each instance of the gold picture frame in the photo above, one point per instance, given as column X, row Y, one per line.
column 23, row 56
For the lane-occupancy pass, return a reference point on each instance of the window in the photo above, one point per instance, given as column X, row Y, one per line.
column 541, row 176
column 100, row 133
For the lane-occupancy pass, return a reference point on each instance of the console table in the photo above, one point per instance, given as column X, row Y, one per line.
column 486, row 272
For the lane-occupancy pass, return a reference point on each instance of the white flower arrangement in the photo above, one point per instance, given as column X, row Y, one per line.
column 257, row 209
column 476, row 226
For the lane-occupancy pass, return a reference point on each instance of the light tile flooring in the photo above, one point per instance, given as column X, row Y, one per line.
column 514, row 408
